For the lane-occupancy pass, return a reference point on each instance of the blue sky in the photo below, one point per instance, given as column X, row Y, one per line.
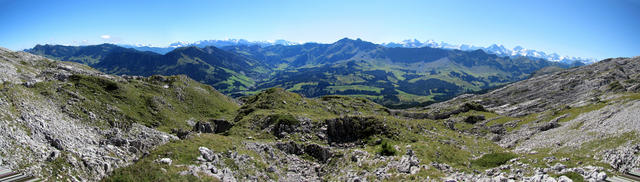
column 586, row 28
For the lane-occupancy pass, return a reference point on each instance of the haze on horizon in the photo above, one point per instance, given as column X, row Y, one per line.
column 596, row 29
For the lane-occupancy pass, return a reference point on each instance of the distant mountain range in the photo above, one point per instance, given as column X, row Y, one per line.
column 409, row 43
column 492, row 49
column 395, row 76
column 205, row 43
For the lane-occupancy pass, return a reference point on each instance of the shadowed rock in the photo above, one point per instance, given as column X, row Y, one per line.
column 353, row 128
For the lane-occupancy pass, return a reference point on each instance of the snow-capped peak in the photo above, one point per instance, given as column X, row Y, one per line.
column 497, row 49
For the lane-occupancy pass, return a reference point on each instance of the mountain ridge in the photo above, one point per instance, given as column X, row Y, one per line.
column 408, row 43
column 494, row 49
column 393, row 76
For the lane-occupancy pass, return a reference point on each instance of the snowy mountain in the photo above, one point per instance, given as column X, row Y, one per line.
column 493, row 49
column 409, row 43
column 205, row 43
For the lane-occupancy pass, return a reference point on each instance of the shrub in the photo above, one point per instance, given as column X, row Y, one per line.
column 386, row 149
column 493, row 160
column 94, row 82
column 285, row 119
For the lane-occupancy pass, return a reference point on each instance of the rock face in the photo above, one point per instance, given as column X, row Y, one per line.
column 576, row 86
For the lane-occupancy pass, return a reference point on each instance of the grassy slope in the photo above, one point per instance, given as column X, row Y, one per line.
column 144, row 101
column 108, row 101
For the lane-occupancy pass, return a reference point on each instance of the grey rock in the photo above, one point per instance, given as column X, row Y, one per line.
column 319, row 152
column 601, row 176
column 203, row 127
column 165, row 161
column 564, row 179
column 207, row 154
column 559, row 167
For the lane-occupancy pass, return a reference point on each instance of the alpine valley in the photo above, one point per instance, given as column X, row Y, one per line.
column 190, row 91
column 66, row 121
column 396, row 77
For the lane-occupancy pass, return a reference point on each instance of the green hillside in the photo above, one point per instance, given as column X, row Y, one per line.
column 394, row 77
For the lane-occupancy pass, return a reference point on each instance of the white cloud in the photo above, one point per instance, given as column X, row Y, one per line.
column 105, row 36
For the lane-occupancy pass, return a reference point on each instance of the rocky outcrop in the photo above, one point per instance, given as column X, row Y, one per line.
column 623, row 159
column 575, row 87
column 440, row 111
column 321, row 153
column 213, row 126
column 353, row 128
column 615, row 119
column 203, row 127
column 38, row 131
column 221, row 125
column 283, row 125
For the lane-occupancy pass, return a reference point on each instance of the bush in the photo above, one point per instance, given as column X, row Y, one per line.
column 285, row 119
column 493, row 160
column 95, row 82
column 386, row 149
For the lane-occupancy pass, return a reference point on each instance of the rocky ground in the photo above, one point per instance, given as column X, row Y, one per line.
column 44, row 137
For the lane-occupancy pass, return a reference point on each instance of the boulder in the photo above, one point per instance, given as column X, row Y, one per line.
column 165, row 161
column 203, row 127
column 601, row 176
column 182, row 134
column 207, row 154
column 221, row 125
column 319, row 152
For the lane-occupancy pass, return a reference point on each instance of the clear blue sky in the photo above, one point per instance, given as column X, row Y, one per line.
column 587, row 28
